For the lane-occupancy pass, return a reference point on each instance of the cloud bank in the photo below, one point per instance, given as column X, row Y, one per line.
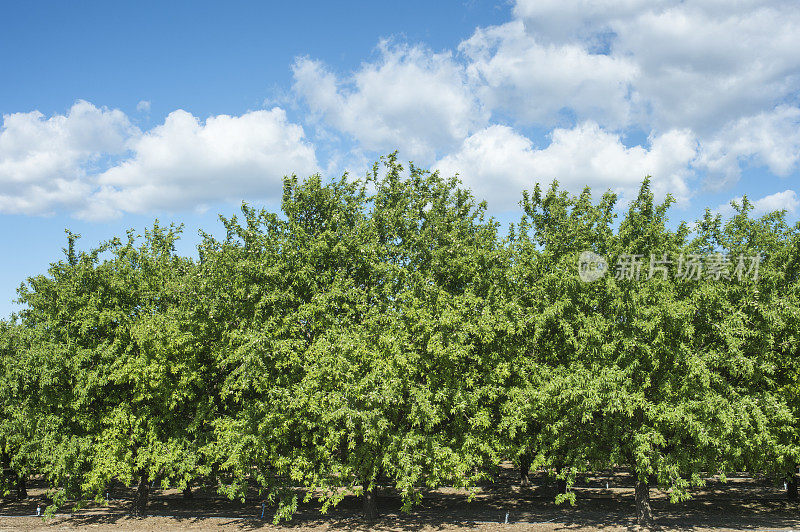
column 589, row 92
column 94, row 163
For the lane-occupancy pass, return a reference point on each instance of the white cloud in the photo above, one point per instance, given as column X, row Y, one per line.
column 498, row 163
column 718, row 79
column 187, row 163
column 705, row 63
column 514, row 72
column 93, row 163
column 411, row 99
column 712, row 85
column 724, row 71
column 701, row 63
column 769, row 139
column 44, row 162
column 706, row 73
column 585, row 20
column 786, row 200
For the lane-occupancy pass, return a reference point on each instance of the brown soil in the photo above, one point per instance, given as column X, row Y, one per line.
column 739, row 504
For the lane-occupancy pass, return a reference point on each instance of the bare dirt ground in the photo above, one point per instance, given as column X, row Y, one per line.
column 740, row 504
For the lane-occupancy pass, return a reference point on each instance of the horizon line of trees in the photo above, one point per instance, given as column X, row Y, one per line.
column 381, row 329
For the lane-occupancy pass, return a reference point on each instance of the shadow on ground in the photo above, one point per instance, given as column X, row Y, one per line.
column 603, row 501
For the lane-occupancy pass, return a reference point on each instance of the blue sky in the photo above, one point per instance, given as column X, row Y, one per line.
column 117, row 113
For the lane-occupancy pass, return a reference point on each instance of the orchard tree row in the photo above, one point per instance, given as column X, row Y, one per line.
column 384, row 331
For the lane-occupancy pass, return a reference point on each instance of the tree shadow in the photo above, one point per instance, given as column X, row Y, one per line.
column 603, row 501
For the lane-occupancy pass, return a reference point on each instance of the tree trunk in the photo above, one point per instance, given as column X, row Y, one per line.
column 187, row 492
column 142, row 494
column 22, row 487
column 644, row 515
column 524, row 469
column 561, row 483
column 791, row 488
column 370, row 504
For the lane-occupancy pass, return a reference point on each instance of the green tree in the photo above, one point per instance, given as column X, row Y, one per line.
column 122, row 391
column 379, row 332
column 360, row 344
column 757, row 325
column 16, row 424
column 658, row 374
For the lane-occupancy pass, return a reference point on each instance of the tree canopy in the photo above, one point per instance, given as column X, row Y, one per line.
column 385, row 332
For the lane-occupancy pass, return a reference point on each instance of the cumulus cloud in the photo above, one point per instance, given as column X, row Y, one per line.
column 770, row 139
column 724, row 74
column 534, row 82
column 712, row 86
column 723, row 70
column 561, row 21
column 187, row 163
column 411, row 99
column 700, row 63
column 45, row 163
column 706, row 63
column 498, row 163
column 780, row 201
column 94, row 164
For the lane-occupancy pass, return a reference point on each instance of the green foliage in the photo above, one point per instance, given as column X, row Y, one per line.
column 671, row 378
column 380, row 332
column 119, row 390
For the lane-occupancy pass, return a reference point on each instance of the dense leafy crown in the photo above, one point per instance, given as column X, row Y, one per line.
column 382, row 331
